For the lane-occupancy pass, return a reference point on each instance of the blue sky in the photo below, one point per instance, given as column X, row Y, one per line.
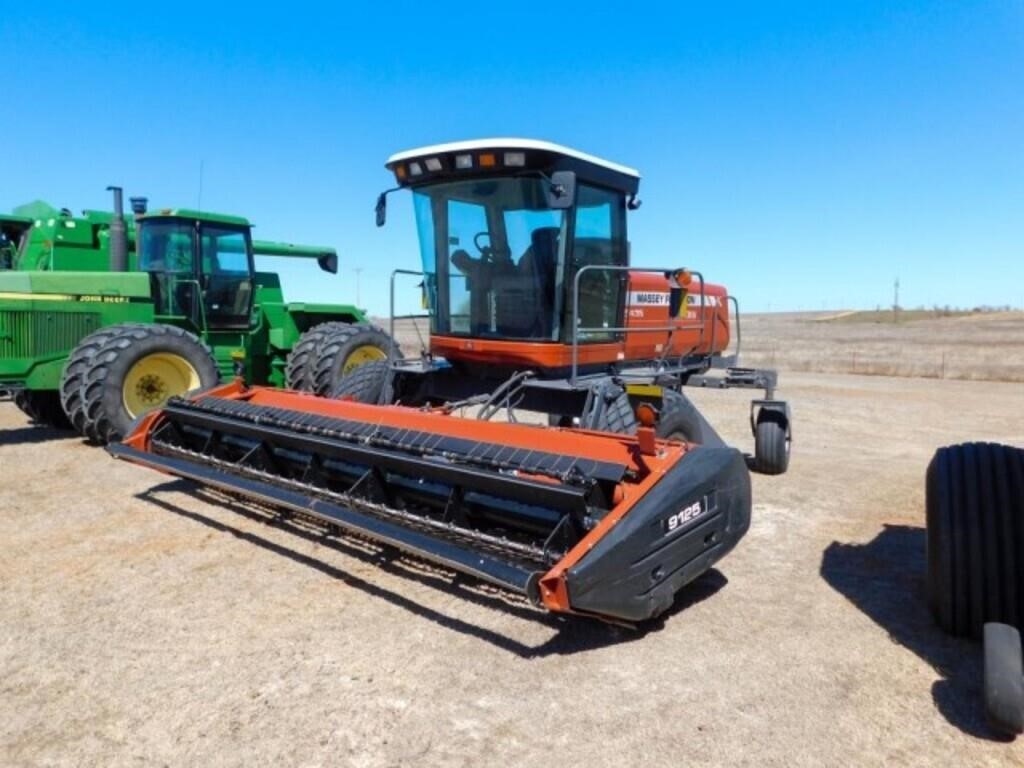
column 804, row 154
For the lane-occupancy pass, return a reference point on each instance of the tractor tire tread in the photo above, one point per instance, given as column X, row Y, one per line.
column 103, row 424
column 301, row 364
column 365, row 384
column 336, row 345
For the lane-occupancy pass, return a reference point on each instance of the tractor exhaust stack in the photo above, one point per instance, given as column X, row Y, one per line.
column 118, row 234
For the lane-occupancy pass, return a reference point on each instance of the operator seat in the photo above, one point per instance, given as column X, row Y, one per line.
column 540, row 263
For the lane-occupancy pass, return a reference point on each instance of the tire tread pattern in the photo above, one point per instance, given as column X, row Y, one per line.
column 974, row 499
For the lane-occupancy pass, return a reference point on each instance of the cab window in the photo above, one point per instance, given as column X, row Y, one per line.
column 599, row 240
column 227, row 276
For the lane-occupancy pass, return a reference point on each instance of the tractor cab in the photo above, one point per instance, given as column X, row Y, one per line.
column 505, row 225
column 13, row 230
column 200, row 266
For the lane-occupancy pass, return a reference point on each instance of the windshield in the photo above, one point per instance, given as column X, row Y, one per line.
column 493, row 255
column 221, row 279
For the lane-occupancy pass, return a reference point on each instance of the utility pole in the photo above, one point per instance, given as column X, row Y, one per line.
column 896, row 300
column 357, row 270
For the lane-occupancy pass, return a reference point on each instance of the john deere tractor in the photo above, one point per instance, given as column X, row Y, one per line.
column 103, row 319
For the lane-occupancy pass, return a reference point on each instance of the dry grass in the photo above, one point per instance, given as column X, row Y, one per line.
column 971, row 346
column 925, row 344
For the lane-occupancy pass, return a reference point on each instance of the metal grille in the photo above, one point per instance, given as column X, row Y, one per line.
column 27, row 333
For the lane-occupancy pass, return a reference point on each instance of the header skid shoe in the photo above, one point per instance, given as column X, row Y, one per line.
column 589, row 523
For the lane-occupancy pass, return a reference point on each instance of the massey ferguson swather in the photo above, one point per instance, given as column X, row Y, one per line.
column 630, row 497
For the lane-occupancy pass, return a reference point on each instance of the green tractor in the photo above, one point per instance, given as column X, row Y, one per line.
column 103, row 319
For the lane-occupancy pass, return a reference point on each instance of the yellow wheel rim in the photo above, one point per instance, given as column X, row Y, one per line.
column 154, row 379
column 362, row 355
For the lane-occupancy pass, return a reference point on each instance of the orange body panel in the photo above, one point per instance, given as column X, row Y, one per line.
column 696, row 331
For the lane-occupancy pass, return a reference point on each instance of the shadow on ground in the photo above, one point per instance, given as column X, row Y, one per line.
column 572, row 634
column 885, row 579
column 33, row 434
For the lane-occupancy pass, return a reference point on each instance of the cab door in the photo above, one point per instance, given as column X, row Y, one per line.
column 227, row 277
column 599, row 238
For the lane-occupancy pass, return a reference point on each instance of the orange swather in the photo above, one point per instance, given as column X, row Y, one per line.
column 600, row 446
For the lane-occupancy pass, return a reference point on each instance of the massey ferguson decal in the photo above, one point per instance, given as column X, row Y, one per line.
column 659, row 299
column 648, row 299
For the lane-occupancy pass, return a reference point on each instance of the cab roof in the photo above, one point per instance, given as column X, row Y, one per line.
column 463, row 158
column 188, row 213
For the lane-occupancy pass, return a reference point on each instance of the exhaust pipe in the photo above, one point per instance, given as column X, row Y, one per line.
column 118, row 235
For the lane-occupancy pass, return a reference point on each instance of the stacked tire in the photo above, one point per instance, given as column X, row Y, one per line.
column 329, row 352
column 975, row 582
column 975, row 517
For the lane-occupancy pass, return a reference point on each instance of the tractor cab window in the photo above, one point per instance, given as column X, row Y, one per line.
column 226, row 276
column 167, row 251
column 599, row 240
column 493, row 255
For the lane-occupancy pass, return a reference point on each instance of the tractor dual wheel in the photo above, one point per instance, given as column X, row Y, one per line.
column 344, row 349
column 42, row 407
column 72, row 380
column 139, row 368
column 325, row 349
column 301, row 365
column 974, row 502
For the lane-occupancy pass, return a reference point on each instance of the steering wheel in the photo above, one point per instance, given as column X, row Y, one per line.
column 482, row 248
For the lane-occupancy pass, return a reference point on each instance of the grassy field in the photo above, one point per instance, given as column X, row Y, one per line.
column 985, row 346
column 973, row 346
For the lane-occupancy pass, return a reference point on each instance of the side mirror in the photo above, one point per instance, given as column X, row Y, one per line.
column 328, row 261
column 561, row 193
column 382, row 208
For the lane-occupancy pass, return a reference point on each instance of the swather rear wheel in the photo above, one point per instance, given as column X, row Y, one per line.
column 139, row 369
column 772, row 441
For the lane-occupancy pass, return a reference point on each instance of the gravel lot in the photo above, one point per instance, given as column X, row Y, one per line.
column 143, row 622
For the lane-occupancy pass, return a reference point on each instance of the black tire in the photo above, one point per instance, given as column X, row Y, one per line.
column 107, row 418
column 679, row 419
column 364, row 384
column 338, row 347
column 72, row 380
column 617, row 416
column 301, row 365
column 42, row 407
column 1004, row 678
column 974, row 505
column 771, row 444
column 21, row 400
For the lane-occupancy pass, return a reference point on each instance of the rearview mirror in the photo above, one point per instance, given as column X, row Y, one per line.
column 328, row 262
column 561, row 193
column 382, row 208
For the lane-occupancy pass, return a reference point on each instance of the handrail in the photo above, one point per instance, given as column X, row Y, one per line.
column 391, row 309
column 576, row 330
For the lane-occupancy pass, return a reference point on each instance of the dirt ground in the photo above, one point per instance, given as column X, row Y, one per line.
column 144, row 623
